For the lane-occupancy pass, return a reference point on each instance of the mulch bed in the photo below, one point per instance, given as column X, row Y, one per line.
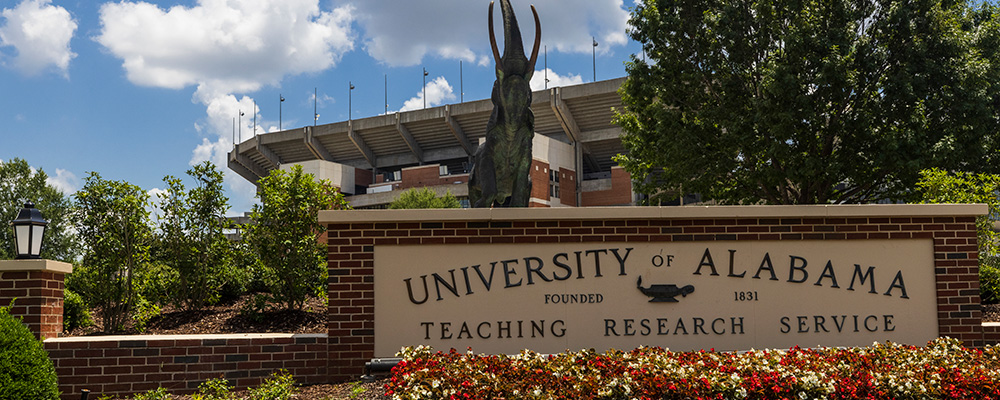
column 345, row 391
column 991, row 312
column 224, row 317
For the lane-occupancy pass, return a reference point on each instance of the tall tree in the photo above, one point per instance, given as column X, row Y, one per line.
column 19, row 183
column 191, row 237
column 285, row 231
column 114, row 225
column 808, row 101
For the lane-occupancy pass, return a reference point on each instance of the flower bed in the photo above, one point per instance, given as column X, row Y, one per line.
column 941, row 370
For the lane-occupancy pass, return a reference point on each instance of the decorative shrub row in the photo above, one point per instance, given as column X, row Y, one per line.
column 941, row 370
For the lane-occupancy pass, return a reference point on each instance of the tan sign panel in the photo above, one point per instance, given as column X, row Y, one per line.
column 684, row 296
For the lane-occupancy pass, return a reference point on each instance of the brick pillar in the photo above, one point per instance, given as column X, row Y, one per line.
column 38, row 287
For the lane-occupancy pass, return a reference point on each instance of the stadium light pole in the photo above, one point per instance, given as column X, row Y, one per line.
column 240, row 137
column 386, row 94
column 461, row 82
column 281, row 100
column 315, row 114
column 255, row 118
column 595, row 57
column 546, row 66
column 350, row 93
column 425, row 88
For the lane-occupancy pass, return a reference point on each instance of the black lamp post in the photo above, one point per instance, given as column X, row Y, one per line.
column 29, row 226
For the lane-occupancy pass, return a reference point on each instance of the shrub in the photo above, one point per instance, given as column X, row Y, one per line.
column 424, row 198
column 26, row 373
column 191, row 237
column 157, row 394
column 938, row 186
column 156, row 282
column 113, row 224
column 213, row 389
column 989, row 279
column 143, row 312
column 75, row 312
column 285, row 233
column 280, row 386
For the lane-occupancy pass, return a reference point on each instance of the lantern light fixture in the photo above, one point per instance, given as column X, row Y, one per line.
column 29, row 227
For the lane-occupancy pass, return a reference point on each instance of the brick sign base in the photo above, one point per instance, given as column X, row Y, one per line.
column 354, row 237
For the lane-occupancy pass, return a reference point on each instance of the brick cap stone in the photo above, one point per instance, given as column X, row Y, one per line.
column 36, row 265
column 112, row 338
column 604, row 213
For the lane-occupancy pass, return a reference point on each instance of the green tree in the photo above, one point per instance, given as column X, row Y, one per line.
column 114, row 226
column 20, row 183
column 191, row 240
column 424, row 198
column 938, row 186
column 285, row 233
column 809, row 101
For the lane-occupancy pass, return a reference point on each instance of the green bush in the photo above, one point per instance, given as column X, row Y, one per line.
column 280, row 386
column 214, row 389
column 939, row 186
column 143, row 312
column 989, row 279
column 285, row 233
column 424, row 198
column 26, row 373
column 156, row 282
column 75, row 312
column 158, row 394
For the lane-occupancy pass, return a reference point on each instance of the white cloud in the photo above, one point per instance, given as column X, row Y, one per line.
column 225, row 47
column 40, row 33
column 555, row 80
column 438, row 91
column 64, row 181
column 155, row 201
column 223, row 120
column 230, row 46
column 405, row 32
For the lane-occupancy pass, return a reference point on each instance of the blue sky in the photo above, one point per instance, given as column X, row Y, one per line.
column 139, row 90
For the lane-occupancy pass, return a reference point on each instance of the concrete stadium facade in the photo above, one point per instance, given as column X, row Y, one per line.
column 373, row 160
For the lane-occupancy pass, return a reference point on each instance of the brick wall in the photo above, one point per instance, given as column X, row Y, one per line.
column 123, row 365
column 427, row 175
column 362, row 177
column 352, row 246
column 39, row 301
column 539, row 173
column 619, row 194
column 568, row 187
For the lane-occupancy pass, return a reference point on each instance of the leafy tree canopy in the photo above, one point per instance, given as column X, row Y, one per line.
column 191, row 237
column 115, row 229
column 19, row 183
column 424, row 198
column 809, row 101
column 285, row 232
